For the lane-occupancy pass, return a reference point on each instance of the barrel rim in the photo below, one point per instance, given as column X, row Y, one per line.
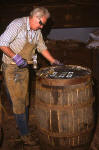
column 64, row 82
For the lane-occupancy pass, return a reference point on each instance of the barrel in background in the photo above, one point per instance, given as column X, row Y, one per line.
column 64, row 107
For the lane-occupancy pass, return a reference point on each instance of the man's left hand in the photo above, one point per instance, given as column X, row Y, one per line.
column 57, row 63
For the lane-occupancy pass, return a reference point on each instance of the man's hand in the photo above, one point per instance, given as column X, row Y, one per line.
column 57, row 63
column 20, row 62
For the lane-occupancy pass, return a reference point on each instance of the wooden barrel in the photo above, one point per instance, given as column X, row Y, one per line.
column 64, row 107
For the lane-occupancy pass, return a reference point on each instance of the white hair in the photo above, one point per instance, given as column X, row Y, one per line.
column 40, row 12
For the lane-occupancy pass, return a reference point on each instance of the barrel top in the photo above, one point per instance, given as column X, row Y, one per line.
column 63, row 75
column 63, row 72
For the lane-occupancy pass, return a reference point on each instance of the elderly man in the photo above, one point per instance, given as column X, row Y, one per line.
column 18, row 43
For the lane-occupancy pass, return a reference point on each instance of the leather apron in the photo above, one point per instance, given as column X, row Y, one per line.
column 17, row 80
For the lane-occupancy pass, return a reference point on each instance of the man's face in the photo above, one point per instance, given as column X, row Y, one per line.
column 36, row 23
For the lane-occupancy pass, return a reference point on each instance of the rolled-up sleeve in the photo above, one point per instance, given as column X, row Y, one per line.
column 9, row 35
column 41, row 44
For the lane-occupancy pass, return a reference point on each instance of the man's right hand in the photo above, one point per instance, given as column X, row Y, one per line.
column 20, row 62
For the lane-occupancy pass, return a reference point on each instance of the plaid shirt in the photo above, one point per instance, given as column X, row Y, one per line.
column 16, row 35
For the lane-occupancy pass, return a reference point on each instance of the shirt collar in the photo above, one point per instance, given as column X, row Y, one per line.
column 28, row 25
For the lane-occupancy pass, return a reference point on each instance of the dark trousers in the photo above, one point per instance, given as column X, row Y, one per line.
column 22, row 122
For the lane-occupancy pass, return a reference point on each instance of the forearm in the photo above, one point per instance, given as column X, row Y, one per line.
column 20, row 62
column 48, row 56
column 7, row 51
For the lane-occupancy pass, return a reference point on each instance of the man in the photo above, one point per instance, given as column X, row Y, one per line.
column 18, row 43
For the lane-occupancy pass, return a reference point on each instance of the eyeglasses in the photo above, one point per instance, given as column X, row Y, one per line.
column 41, row 23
